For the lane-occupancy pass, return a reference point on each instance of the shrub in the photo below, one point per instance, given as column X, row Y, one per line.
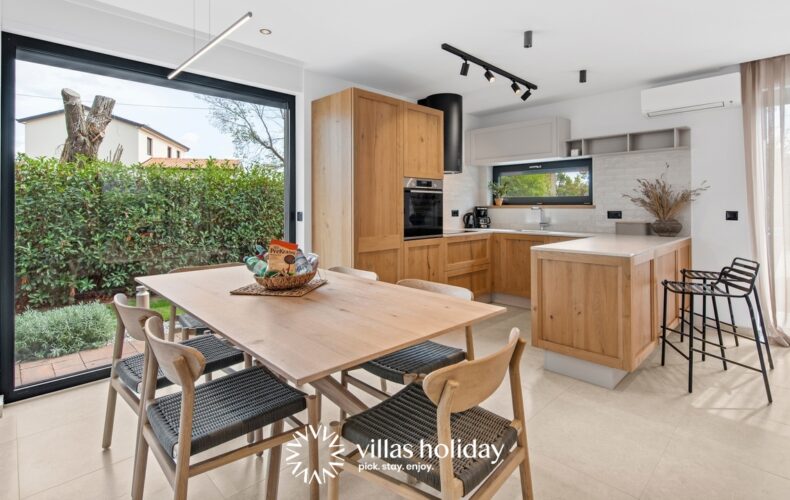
column 56, row 332
column 90, row 226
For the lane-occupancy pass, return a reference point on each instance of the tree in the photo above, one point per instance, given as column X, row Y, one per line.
column 84, row 134
column 258, row 131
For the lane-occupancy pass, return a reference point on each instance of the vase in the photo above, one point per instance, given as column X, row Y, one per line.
column 498, row 201
column 669, row 227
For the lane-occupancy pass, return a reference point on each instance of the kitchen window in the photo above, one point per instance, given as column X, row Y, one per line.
column 565, row 182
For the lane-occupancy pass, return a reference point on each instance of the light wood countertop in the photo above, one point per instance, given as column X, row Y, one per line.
column 613, row 245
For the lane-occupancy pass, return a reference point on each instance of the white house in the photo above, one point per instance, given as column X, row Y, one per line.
column 45, row 134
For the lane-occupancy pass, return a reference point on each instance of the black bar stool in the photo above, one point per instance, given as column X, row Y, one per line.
column 736, row 281
column 704, row 277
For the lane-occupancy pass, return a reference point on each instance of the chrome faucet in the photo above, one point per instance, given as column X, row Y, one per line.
column 544, row 222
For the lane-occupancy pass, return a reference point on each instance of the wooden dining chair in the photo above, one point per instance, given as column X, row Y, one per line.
column 177, row 426
column 443, row 410
column 190, row 325
column 359, row 273
column 126, row 374
column 407, row 365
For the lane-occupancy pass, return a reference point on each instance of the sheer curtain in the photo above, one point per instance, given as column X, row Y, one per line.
column 766, row 124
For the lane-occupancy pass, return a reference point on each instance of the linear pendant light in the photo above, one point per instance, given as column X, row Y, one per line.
column 230, row 29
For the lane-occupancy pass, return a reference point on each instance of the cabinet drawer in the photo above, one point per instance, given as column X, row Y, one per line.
column 468, row 251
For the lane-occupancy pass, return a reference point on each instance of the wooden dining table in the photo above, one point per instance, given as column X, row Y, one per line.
column 335, row 327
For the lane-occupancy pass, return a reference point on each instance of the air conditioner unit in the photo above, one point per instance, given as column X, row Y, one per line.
column 720, row 91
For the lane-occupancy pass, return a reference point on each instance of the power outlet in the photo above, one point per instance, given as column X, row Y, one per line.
column 454, row 213
column 614, row 214
column 731, row 215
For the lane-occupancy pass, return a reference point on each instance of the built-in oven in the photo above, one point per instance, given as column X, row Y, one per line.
column 422, row 208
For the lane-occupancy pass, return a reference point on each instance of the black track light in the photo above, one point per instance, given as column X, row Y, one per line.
column 526, row 95
column 515, row 87
column 465, row 68
column 489, row 76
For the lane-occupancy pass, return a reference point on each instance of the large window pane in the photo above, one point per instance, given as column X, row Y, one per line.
column 178, row 178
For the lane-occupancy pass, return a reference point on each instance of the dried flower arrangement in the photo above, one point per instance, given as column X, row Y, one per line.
column 661, row 200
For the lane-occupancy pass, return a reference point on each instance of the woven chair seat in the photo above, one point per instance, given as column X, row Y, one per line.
column 409, row 418
column 218, row 355
column 700, row 275
column 226, row 408
column 418, row 359
column 188, row 321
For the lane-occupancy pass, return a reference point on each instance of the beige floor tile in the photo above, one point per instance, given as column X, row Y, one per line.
column 112, row 481
column 200, row 488
column 553, row 480
column 7, row 428
column 72, row 450
column 9, row 483
column 745, row 436
column 616, row 447
column 690, row 471
column 60, row 408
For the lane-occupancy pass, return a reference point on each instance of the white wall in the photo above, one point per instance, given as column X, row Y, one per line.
column 613, row 176
column 717, row 156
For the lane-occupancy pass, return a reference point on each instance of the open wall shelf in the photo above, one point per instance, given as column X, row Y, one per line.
column 632, row 142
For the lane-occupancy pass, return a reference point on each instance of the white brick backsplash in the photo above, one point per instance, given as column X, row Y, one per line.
column 613, row 176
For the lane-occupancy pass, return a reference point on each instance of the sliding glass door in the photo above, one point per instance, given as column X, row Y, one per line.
column 111, row 171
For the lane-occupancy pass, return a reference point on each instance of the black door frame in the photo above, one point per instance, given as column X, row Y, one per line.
column 54, row 54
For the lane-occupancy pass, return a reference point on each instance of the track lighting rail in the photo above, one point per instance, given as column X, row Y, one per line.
column 488, row 66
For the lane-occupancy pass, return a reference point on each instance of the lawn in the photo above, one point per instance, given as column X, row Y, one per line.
column 160, row 305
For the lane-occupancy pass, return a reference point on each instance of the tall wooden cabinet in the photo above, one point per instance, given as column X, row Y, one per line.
column 361, row 144
column 424, row 142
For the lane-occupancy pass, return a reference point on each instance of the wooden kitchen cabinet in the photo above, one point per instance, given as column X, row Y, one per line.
column 357, row 185
column 521, row 141
column 512, row 261
column 423, row 142
column 425, row 259
column 469, row 262
column 604, row 307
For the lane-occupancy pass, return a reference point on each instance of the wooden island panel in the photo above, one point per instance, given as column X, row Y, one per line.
column 601, row 308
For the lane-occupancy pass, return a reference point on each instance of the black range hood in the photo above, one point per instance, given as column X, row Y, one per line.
column 452, row 106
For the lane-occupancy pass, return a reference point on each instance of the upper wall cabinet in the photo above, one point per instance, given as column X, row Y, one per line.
column 423, row 142
column 522, row 141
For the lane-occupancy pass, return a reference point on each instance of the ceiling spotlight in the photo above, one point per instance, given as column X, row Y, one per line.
column 465, row 68
column 526, row 95
column 527, row 39
column 265, row 31
column 516, row 88
column 583, row 76
column 489, row 76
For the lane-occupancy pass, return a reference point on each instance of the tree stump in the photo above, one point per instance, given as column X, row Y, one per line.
column 84, row 134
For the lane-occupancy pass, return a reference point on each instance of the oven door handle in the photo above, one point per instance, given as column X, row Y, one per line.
column 416, row 190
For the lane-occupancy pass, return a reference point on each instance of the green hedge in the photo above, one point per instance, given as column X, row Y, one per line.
column 92, row 226
column 49, row 334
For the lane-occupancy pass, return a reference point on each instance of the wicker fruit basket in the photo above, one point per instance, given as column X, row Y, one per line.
column 285, row 282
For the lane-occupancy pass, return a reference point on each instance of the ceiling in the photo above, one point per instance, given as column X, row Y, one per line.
column 394, row 45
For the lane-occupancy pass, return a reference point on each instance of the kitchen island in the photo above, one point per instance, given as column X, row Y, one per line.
column 597, row 302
